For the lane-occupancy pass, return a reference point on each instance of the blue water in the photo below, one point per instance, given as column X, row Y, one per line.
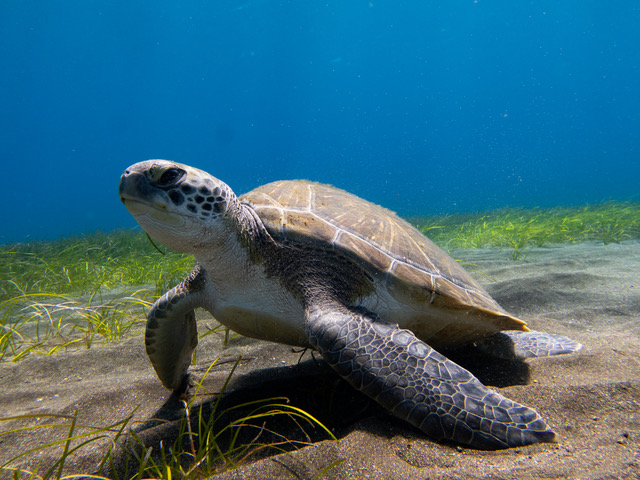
column 425, row 107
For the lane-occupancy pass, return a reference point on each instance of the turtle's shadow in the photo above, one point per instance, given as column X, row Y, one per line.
column 491, row 371
column 311, row 386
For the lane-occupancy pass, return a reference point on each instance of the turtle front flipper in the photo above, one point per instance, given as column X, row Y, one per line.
column 512, row 344
column 418, row 384
column 171, row 334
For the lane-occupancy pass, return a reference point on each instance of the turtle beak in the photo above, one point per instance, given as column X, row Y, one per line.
column 134, row 186
column 135, row 189
column 144, row 201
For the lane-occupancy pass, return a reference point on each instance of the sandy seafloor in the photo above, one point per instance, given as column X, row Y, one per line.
column 588, row 291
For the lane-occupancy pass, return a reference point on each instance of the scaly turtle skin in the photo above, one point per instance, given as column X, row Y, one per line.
column 306, row 264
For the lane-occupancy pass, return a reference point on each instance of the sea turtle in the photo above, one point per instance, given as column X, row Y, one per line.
column 310, row 265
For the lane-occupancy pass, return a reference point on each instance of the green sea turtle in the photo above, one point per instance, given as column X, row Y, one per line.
column 310, row 265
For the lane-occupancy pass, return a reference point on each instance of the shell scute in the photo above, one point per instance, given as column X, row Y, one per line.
column 366, row 252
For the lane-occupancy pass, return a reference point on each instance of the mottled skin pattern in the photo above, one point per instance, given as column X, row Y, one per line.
column 309, row 265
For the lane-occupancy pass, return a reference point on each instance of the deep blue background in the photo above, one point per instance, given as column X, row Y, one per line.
column 422, row 106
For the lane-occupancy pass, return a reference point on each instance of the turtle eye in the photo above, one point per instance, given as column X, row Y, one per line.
column 170, row 177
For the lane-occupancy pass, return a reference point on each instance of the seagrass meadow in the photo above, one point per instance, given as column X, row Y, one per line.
column 126, row 258
column 519, row 229
column 96, row 287
column 76, row 293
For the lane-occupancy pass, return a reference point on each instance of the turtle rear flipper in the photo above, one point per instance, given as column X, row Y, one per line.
column 514, row 344
column 417, row 384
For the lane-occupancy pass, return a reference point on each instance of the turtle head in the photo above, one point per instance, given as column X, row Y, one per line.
column 177, row 205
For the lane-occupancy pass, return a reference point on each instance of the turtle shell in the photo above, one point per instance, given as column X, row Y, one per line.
column 413, row 269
